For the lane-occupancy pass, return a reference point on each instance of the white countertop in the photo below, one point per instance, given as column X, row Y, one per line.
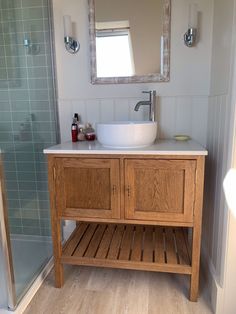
column 160, row 147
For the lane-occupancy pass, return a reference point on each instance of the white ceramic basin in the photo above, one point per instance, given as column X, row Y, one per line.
column 127, row 134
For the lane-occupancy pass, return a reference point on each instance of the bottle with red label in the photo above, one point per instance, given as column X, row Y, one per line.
column 74, row 130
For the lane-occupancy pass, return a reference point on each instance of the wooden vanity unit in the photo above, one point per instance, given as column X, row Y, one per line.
column 134, row 208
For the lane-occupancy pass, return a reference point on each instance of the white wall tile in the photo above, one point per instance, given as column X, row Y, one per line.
column 93, row 111
column 107, row 110
column 183, row 115
column 121, row 109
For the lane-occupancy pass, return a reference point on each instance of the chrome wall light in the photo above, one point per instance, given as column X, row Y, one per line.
column 190, row 37
column 72, row 45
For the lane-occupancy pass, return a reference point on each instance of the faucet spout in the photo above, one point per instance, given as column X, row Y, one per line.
column 141, row 103
column 151, row 103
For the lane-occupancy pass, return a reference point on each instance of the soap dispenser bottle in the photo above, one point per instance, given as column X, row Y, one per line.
column 74, row 130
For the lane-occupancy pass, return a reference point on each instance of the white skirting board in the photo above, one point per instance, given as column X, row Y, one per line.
column 215, row 291
column 32, row 291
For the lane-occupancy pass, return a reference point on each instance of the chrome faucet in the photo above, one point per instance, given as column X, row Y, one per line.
column 151, row 103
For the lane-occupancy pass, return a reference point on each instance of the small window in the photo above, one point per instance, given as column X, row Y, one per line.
column 114, row 53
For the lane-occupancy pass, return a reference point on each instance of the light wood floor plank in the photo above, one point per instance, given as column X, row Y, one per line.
column 90, row 290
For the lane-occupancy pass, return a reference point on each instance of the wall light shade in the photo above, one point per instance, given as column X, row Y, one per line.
column 229, row 185
column 191, row 34
column 72, row 45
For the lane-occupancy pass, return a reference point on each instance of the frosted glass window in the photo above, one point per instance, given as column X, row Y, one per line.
column 114, row 56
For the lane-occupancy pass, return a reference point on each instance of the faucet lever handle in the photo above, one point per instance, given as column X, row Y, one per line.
column 147, row 92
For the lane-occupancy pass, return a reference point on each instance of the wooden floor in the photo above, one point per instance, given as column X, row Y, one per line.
column 90, row 290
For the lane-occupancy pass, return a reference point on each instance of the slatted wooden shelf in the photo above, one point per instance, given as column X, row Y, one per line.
column 128, row 246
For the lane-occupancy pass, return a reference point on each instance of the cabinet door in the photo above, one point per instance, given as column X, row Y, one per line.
column 88, row 187
column 161, row 190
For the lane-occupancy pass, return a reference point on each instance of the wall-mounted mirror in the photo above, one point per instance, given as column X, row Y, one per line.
column 129, row 41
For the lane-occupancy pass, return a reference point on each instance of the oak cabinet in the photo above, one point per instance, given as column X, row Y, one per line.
column 132, row 212
column 153, row 190
column 88, row 187
column 160, row 189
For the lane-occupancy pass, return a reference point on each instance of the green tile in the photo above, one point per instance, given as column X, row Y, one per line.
column 29, row 204
column 2, row 62
column 43, row 116
column 11, row 185
column 34, row 25
column 15, row 221
column 29, row 214
column 36, row 61
column 16, row 230
column 4, row 96
column 30, row 222
column 37, row 72
column 13, row 195
column 26, row 166
column 44, row 214
column 20, row 105
column 17, row 61
column 19, row 147
column 14, row 204
column 45, row 223
column 44, row 205
column 40, row 105
column 17, row 73
column 43, row 195
column 13, row 27
column 3, row 74
column 12, row 15
column 20, row 116
column 19, row 95
column 22, row 156
column 36, row 94
column 13, row 38
column 27, row 186
column 38, row 84
column 42, row 186
column 32, row 13
column 6, row 136
column 13, row 50
column 42, row 176
column 31, row 3
column 6, row 127
column 8, row 156
column 31, row 230
column 8, row 4
column 27, row 176
column 25, row 195
column 46, row 232
column 14, row 213
column 5, row 116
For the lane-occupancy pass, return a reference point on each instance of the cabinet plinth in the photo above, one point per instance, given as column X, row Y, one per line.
column 132, row 212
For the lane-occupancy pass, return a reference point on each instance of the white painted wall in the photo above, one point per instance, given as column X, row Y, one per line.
column 183, row 101
column 219, row 145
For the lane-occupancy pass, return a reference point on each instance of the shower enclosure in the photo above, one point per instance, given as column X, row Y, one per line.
column 28, row 123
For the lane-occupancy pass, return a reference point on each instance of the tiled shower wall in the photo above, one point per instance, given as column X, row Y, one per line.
column 27, row 112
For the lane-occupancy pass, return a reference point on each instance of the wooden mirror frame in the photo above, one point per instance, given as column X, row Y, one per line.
column 163, row 76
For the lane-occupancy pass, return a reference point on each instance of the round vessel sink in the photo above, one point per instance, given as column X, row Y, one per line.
column 127, row 134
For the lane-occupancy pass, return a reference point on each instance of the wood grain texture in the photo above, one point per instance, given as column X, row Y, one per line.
column 88, row 188
column 111, row 291
column 132, row 247
column 55, row 223
column 196, row 240
column 160, row 189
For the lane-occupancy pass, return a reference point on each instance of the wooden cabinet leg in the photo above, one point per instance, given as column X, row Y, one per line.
column 196, row 246
column 57, row 250
column 59, row 274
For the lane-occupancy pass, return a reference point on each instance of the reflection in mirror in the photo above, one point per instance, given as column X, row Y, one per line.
column 129, row 40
